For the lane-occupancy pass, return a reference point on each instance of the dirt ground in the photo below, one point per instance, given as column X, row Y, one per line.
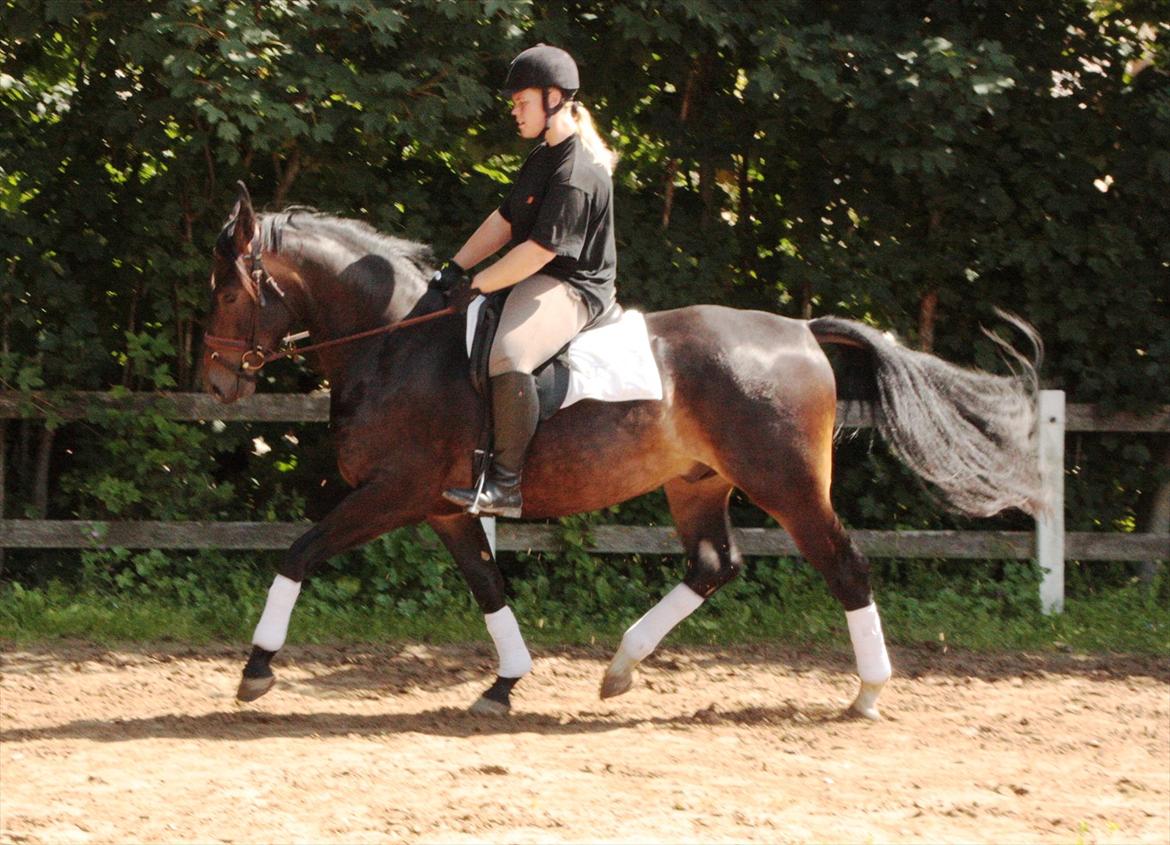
column 735, row 745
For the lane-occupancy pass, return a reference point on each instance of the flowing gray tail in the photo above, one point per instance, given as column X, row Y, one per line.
column 969, row 433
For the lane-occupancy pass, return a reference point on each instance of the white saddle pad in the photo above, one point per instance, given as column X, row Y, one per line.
column 612, row 363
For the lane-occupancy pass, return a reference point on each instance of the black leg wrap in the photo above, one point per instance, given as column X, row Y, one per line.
column 501, row 691
column 257, row 665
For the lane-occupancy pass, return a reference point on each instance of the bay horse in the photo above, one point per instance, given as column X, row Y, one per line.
column 749, row 402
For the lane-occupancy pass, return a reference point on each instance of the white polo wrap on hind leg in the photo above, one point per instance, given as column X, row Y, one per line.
column 515, row 661
column 644, row 635
column 273, row 625
column 869, row 646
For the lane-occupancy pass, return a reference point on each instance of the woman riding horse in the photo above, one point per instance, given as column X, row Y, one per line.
column 558, row 220
column 749, row 398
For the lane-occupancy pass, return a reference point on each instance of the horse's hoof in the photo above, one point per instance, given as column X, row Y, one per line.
column 619, row 677
column 613, row 685
column 496, row 699
column 252, row 688
column 485, row 706
column 865, row 704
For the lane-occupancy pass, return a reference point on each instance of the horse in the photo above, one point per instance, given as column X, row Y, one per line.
column 749, row 403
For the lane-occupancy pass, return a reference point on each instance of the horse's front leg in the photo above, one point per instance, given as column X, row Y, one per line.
column 364, row 514
column 464, row 537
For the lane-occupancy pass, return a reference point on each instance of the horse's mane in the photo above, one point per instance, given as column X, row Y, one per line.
column 357, row 234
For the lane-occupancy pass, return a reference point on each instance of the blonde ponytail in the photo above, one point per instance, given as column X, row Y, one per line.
column 592, row 140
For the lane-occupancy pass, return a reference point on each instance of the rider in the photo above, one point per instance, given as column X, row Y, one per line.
column 557, row 220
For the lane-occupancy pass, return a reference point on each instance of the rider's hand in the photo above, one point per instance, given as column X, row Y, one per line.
column 462, row 295
column 447, row 277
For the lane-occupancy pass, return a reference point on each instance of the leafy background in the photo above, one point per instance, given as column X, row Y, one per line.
column 911, row 164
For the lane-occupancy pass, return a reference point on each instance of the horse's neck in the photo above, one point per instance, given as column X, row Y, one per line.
column 337, row 291
column 335, row 297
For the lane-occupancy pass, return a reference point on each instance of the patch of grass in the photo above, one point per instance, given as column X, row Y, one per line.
column 787, row 604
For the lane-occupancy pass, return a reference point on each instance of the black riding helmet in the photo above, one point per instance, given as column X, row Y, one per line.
column 544, row 67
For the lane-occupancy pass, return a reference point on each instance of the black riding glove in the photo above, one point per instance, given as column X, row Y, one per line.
column 447, row 277
column 462, row 295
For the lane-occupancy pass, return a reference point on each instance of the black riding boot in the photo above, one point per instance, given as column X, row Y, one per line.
column 515, row 413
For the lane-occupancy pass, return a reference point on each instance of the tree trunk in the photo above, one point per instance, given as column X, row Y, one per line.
column 745, row 190
column 183, row 326
column 928, row 305
column 806, row 297
column 41, row 480
column 668, row 192
column 285, row 176
column 672, row 164
column 131, row 324
column 24, row 453
column 3, row 481
column 927, row 310
column 3, row 468
column 4, row 434
column 707, row 190
column 1157, row 520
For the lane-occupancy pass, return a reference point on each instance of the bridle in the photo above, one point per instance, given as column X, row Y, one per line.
column 254, row 355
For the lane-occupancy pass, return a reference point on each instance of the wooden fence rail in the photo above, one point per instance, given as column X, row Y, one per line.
column 314, row 407
column 602, row 539
column 1050, row 544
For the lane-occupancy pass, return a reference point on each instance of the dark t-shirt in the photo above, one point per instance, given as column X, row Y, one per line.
column 563, row 200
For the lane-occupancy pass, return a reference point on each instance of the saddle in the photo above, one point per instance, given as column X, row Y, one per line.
column 552, row 377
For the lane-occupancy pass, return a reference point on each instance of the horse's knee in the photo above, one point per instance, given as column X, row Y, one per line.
column 710, row 565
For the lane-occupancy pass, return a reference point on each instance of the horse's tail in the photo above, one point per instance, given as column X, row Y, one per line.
column 970, row 433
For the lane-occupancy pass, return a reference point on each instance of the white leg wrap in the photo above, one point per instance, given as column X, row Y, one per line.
column 869, row 646
column 515, row 661
column 273, row 625
column 644, row 635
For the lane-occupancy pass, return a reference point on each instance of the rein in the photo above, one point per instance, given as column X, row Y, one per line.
column 254, row 356
column 263, row 356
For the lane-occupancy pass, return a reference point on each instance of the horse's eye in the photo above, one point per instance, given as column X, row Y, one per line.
column 229, row 297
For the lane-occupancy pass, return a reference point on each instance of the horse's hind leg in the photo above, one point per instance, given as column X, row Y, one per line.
column 824, row 542
column 464, row 537
column 819, row 535
column 699, row 509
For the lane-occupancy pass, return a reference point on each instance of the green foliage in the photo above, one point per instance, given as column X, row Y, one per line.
column 145, row 467
column 978, row 607
column 860, row 158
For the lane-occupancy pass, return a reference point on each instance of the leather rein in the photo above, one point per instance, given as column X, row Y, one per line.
column 254, row 355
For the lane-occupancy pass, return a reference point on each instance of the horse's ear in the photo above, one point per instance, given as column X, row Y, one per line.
column 245, row 217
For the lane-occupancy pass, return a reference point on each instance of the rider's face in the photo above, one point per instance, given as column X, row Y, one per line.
column 528, row 111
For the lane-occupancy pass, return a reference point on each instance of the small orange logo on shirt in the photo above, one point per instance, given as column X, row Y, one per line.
column 531, row 199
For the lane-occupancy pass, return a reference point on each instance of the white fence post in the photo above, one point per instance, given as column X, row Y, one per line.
column 1050, row 524
column 489, row 528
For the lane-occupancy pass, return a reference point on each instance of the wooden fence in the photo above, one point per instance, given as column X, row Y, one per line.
column 1049, row 544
